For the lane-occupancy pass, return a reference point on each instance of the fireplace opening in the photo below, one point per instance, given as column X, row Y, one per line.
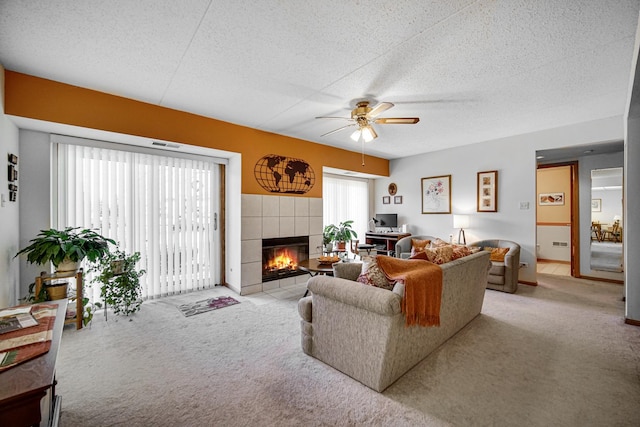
column 280, row 257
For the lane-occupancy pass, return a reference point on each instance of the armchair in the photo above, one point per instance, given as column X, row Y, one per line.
column 403, row 246
column 503, row 276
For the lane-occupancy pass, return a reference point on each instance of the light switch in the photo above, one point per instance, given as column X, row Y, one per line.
column 524, row 205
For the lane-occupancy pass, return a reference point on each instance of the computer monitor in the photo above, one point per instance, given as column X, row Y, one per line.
column 386, row 220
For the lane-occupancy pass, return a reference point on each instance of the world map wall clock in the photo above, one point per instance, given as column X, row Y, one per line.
column 282, row 174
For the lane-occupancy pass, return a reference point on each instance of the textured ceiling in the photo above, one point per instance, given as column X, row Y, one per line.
column 471, row 70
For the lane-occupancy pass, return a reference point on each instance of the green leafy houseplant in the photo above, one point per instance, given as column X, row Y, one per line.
column 341, row 233
column 119, row 281
column 73, row 244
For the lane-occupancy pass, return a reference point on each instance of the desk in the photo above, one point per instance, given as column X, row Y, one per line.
column 385, row 243
column 24, row 386
column 313, row 267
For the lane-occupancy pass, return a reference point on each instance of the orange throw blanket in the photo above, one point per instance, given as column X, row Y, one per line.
column 422, row 288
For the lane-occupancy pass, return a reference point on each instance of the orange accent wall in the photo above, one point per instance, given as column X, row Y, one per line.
column 555, row 180
column 41, row 99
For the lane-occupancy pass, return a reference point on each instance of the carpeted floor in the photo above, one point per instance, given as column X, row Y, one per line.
column 558, row 354
column 606, row 256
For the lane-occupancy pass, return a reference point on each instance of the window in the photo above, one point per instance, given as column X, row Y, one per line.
column 163, row 207
column 346, row 199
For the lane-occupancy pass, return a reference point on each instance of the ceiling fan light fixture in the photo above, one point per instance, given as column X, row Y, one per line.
column 368, row 134
column 356, row 135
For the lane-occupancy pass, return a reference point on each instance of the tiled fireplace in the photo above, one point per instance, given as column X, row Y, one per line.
column 281, row 255
column 276, row 217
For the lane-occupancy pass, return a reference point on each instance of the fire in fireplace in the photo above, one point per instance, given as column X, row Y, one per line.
column 280, row 257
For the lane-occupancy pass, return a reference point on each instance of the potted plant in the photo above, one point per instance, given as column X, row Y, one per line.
column 327, row 241
column 67, row 248
column 119, row 281
column 341, row 233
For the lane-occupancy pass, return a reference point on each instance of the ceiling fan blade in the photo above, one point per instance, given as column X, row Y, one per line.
column 337, row 130
column 332, row 117
column 380, row 108
column 397, row 120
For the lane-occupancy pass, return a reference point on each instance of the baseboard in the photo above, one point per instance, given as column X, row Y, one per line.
column 632, row 322
column 602, row 279
column 525, row 282
column 554, row 261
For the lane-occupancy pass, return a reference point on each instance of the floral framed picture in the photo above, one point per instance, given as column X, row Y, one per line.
column 488, row 191
column 436, row 195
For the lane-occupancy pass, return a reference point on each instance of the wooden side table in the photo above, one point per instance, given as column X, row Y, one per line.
column 314, row 267
column 47, row 277
column 23, row 387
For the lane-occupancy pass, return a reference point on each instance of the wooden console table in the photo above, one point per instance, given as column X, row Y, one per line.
column 23, row 387
column 385, row 243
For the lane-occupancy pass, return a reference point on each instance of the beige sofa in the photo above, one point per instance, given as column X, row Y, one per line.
column 360, row 330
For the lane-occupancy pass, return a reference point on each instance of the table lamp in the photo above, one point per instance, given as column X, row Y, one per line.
column 461, row 222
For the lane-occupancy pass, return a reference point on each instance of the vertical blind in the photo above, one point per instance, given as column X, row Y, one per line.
column 346, row 199
column 163, row 207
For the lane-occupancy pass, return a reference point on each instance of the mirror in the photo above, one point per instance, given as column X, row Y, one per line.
column 606, row 220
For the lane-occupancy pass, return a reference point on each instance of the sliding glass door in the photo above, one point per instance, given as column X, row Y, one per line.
column 164, row 207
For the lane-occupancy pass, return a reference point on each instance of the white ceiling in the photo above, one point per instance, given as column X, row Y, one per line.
column 471, row 70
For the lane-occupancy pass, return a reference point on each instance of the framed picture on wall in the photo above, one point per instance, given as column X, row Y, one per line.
column 436, row 195
column 386, row 200
column 488, row 191
column 546, row 199
column 397, row 200
column 596, row 205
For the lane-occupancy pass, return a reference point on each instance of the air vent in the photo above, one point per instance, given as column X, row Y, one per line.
column 165, row 144
column 561, row 244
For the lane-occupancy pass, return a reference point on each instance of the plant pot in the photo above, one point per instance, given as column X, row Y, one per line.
column 340, row 246
column 67, row 265
column 117, row 266
column 57, row 291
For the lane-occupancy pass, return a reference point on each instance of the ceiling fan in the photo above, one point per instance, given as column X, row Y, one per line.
column 364, row 116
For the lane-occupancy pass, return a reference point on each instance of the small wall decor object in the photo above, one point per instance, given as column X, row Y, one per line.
column 12, row 176
column 397, row 200
column 596, row 205
column 546, row 199
column 393, row 189
column 386, row 200
column 436, row 195
column 488, row 191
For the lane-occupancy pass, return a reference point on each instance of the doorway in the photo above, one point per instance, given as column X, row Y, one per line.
column 556, row 219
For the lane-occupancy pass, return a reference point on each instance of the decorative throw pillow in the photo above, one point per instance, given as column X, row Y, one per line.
column 372, row 275
column 460, row 251
column 420, row 255
column 438, row 243
column 497, row 254
column 418, row 245
column 440, row 255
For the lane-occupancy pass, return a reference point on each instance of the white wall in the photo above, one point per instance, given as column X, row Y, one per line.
column 632, row 192
column 9, row 211
column 514, row 158
column 35, row 198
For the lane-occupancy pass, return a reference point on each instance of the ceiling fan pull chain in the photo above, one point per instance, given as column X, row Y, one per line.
column 362, row 152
